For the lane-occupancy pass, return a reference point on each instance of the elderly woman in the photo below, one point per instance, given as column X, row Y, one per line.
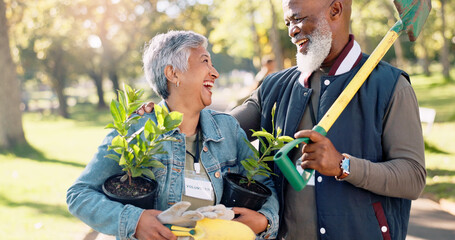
column 180, row 70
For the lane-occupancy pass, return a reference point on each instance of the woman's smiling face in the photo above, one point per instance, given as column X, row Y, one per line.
column 197, row 82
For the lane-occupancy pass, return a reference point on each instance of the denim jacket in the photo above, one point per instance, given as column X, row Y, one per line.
column 222, row 150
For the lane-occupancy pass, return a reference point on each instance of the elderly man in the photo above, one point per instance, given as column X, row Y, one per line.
column 371, row 163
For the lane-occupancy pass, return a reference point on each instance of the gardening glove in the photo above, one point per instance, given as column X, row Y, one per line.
column 218, row 211
column 177, row 215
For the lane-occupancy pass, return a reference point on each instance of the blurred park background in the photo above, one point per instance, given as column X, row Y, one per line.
column 61, row 62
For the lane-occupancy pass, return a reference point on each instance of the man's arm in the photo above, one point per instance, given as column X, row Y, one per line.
column 403, row 174
column 249, row 114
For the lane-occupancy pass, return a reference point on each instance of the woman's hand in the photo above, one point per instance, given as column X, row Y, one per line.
column 256, row 221
column 149, row 227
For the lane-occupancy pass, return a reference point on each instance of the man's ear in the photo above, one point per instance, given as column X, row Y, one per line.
column 171, row 74
column 336, row 9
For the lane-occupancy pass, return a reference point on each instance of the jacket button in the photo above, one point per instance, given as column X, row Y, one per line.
column 205, row 149
column 217, row 174
column 384, row 229
column 319, row 179
column 327, row 82
column 322, row 230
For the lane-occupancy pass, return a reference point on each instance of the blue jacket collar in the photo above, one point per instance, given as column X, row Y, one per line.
column 210, row 129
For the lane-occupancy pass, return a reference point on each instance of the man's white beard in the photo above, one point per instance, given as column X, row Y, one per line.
column 318, row 48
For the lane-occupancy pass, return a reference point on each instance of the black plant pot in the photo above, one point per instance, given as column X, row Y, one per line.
column 145, row 201
column 235, row 195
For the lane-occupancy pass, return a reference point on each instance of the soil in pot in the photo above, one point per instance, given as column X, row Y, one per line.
column 141, row 193
column 239, row 194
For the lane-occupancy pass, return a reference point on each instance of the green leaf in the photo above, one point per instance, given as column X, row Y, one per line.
column 278, row 131
column 264, row 134
column 122, row 100
column 285, row 139
column 136, row 149
column 247, row 165
column 267, row 159
column 149, row 173
column 149, row 130
column 136, row 172
column 156, row 150
column 110, row 125
column 122, row 161
column 133, row 120
column 113, row 156
column 119, row 141
column 266, row 174
column 134, row 106
column 255, row 151
column 116, row 112
column 154, row 164
column 273, row 110
column 172, row 120
column 160, row 115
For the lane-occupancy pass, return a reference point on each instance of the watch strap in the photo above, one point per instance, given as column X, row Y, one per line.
column 344, row 165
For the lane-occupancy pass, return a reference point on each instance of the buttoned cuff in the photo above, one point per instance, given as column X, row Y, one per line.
column 129, row 219
column 272, row 229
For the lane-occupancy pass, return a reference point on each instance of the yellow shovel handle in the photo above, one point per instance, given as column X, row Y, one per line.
column 180, row 231
column 348, row 93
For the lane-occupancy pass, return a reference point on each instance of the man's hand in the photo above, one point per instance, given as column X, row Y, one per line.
column 256, row 221
column 320, row 154
column 145, row 108
column 149, row 227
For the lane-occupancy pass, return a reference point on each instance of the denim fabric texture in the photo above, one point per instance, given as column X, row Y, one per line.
column 223, row 149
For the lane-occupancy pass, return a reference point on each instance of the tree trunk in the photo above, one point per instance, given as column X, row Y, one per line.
column 98, row 80
column 56, row 66
column 59, row 87
column 113, row 76
column 445, row 47
column 400, row 59
column 425, row 62
column 11, row 131
column 275, row 39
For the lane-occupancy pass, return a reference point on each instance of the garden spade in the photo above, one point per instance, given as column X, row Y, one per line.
column 413, row 14
column 220, row 229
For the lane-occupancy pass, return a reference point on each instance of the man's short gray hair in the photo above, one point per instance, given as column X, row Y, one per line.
column 171, row 48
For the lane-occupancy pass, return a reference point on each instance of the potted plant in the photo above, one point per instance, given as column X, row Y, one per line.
column 135, row 151
column 245, row 191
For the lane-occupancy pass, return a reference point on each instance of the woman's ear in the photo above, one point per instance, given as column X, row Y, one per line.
column 171, row 74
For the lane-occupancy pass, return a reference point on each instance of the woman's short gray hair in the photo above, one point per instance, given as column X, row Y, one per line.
column 171, row 48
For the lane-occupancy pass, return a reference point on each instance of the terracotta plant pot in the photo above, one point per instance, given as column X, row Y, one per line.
column 236, row 194
column 144, row 191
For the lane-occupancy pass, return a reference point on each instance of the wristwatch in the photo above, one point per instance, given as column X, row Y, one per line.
column 344, row 164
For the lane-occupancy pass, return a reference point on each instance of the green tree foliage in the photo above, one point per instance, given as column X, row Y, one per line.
column 59, row 42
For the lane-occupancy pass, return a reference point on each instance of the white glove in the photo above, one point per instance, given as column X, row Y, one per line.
column 177, row 215
column 218, row 211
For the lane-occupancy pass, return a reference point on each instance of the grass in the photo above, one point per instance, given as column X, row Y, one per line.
column 434, row 92
column 34, row 178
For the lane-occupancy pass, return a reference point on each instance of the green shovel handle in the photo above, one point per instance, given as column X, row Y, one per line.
column 297, row 181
